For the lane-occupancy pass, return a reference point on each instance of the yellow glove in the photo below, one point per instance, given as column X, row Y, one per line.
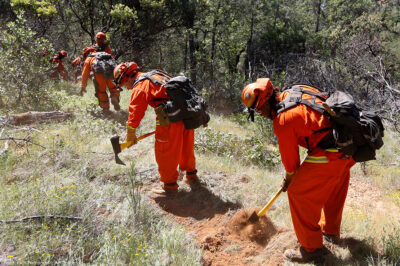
column 286, row 181
column 131, row 135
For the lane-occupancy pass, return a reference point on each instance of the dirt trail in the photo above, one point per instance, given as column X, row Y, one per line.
column 221, row 228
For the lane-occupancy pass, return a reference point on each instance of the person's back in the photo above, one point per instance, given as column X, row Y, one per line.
column 299, row 125
column 100, row 85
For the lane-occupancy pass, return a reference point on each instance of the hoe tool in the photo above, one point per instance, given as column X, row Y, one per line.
column 118, row 147
column 255, row 216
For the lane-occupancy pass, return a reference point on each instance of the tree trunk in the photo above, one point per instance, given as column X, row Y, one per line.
column 34, row 117
column 318, row 15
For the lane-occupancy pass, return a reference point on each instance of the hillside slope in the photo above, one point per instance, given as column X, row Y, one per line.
column 67, row 169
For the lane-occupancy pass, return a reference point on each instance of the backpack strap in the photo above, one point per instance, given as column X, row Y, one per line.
column 149, row 75
column 295, row 98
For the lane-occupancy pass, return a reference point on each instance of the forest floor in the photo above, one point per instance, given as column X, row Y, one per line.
column 68, row 169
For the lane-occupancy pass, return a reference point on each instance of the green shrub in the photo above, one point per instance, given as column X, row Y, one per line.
column 251, row 150
column 22, row 65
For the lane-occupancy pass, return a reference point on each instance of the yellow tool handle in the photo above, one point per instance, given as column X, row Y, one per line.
column 130, row 143
column 266, row 207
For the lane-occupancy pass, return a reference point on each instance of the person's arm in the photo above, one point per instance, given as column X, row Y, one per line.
column 288, row 146
column 85, row 73
column 138, row 104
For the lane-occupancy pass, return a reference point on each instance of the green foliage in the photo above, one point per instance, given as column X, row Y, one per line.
column 42, row 8
column 251, row 150
column 123, row 13
column 22, row 65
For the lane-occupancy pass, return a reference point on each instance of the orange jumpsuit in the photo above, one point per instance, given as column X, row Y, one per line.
column 319, row 187
column 60, row 68
column 100, row 83
column 174, row 145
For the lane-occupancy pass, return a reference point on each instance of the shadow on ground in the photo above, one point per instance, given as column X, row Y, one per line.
column 361, row 253
column 199, row 204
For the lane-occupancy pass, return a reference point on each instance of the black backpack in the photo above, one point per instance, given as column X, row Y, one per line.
column 105, row 64
column 355, row 132
column 184, row 103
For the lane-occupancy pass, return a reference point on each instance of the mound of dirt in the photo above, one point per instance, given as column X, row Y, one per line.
column 260, row 231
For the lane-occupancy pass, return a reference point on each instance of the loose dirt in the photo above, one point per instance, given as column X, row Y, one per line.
column 221, row 228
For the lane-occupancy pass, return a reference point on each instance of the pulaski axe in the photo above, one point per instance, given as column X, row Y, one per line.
column 118, row 147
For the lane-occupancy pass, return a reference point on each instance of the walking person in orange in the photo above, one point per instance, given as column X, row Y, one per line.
column 174, row 145
column 60, row 69
column 101, row 82
column 317, row 187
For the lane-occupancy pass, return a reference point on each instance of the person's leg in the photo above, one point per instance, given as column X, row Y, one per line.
column 187, row 161
column 101, row 94
column 114, row 94
column 312, row 186
column 168, row 148
column 331, row 216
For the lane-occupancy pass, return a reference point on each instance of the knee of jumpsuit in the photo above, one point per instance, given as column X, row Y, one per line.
column 168, row 149
column 310, row 189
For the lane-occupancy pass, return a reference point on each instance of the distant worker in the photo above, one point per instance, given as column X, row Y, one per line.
column 77, row 67
column 59, row 69
column 174, row 144
column 317, row 187
column 102, row 66
column 102, row 43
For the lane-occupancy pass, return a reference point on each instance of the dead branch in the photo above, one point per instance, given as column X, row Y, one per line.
column 27, row 140
column 40, row 217
column 35, row 117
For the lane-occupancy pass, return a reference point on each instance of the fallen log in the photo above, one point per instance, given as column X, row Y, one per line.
column 35, row 117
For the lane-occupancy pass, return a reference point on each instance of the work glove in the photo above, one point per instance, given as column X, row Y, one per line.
column 82, row 91
column 286, row 181
column 131, row 135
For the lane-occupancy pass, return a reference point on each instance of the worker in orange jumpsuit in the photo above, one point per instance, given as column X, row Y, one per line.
column 317, row 187
column 77, row 66
column 102, row 43
column 101, row 85
column 174, row 145
column 60, row 69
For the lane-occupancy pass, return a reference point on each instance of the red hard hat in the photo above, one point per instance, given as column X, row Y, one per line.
column 63, row 53
column 124, row 71
column 101, row 36
column 254, row 95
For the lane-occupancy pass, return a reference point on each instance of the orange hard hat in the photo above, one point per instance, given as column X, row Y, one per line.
column 63, row 53
column 101, row 36
column 254, row 95
column 124, row 71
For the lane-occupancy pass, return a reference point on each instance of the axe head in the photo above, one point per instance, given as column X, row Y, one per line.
column 117, row 149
